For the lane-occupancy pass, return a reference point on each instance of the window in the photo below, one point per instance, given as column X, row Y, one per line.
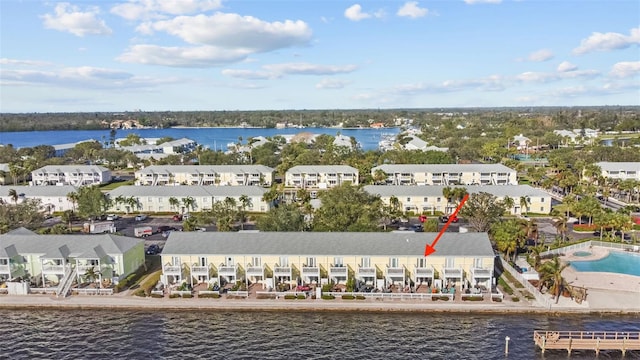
column 393, row 262
column 284, row 261
column 408, row 199
column 230, row 261
column 175, row 261
column 150, row 199
column 256, row 261
column 449, row 262
column 338, row 261
column 422, row 262
column 365, row 262
column 541, row 208
column 477, row 262
column 311, row 262
column 438, row 199
column 203, row 261
column 426, row 199
column 541, row 199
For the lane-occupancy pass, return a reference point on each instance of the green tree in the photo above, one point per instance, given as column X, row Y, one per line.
column 551, row 275
column 25, row 214
column 508, row 237
column 285, row 217
column 92, row 202
column 525, row 202
column 481, row 210
column 13, row 194
column 174, row 202
column 347, row 208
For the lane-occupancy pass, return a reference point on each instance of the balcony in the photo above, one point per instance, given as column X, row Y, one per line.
column 479, row 273
column 366, row 272
column 199, row 270
column 424, row 272
column 227, row 270
column 338, row 271
column 83, row 268
column 282, row 271
column 452, row 273
column 395, row 272
column 255, row 271
column 4, row 269
column 310, row 271
column 172, row 270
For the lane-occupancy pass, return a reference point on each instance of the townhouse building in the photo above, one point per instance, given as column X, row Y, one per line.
column 620, row 170
column 430, row 199
column 378, row 259
column 216, row 175
column 52, row 198
column 50, row 261
column 190, row 198
column 76, row 175
column 447, row 174
column 320, row 176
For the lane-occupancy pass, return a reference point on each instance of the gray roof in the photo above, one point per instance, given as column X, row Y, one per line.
column 71, row 168
column 322, row 169
column 619, row 166
column 513, row 191
column 326, row 243
column 80, row 246
column 451, row 168
column 4, row 167
column 35, row 191
column 187, row 190
column 248, row 169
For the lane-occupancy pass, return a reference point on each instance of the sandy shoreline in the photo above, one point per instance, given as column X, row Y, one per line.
column 337, row 305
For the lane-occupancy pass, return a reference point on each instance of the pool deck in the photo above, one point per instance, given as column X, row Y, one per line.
column 604, row 290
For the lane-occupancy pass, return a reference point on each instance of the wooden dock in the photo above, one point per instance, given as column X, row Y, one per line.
column 587, row 340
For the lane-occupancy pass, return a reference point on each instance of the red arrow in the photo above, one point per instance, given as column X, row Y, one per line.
column 429, row 249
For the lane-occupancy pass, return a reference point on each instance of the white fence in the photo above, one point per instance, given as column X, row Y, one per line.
column 393, row 296
column 540, row 298
column 588, row 244
column 93, row 291
column 43, row 290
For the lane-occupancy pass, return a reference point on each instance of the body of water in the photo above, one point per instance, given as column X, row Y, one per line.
column 114, row 334
column 214, row 138
column 616, row 262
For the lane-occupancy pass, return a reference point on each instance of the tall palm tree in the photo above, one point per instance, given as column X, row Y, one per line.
column 73, row 197
column 174, row 202
column 560, row 223
column 508, row 203
column 525, row 202
column 189, row 203
column 132, row 203
column 245, row 203
column 551, row 274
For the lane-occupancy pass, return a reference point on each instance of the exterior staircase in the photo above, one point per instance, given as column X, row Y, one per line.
column 65, row 284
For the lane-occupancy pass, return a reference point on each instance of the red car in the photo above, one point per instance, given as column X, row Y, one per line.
column 303, row 288
column 445, row 218
column 177, row 217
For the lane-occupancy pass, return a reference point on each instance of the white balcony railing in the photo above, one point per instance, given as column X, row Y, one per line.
column 199, row 270
column 310, row 271
column 423, row 272
column 338, row 271
column 227, row 270
column 53, row 269
column 255, row 271
column 395, row 271
column 282, row 271
column 172, row 270
column 366, row 272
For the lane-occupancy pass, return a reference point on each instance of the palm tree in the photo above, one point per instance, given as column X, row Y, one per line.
column 132, row 203
column 174, row 202
column 91, row 275
column 13, row 194
column 73, row 198
column 245, row 202
column 379, row 176
column 189, row 202
column 525, row 201
column 508, row 203
column 447, row 192
column 560, row 223
column 551, row 274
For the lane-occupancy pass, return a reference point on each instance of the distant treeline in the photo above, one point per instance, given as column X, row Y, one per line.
column 604, row 118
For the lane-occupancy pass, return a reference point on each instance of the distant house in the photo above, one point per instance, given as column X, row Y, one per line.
column 76, row 175
column 159, row 151
column 221, row 175
column 344, row 141
column 377, row 125
column 620, row 170
column 521, row 142
column 447, row 174
column 320, row 176
column 52, row 198
column 5, row 176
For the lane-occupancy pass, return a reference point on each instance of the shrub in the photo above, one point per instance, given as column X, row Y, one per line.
column 290, row 297
column 328, row 297
column 173, row 296
column 140, row 292
column 209, row 296
column 496, row 299
column 445, row 298
column 360, row 297
column 515, row 299
column 266, row 296
column 157, row 296
column 187, row 296
column 348, row 297
column 301, row 296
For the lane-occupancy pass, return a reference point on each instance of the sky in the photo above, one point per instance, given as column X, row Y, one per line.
column 181, row 55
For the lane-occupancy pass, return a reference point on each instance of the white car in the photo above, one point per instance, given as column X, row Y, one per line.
column 112, row 217
column 141, row 217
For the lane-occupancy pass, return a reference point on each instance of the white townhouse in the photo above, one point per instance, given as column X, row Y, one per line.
column 620, row 170
column 320, row 176
column 430, row 200
column 191, row 198
column 447, row 174
column 50, row 261
column 379, row 259
column 216, row 175
column 76, row 175
column 157, row 151
column 52, row 198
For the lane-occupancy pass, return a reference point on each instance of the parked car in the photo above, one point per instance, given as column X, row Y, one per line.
column 177, row 217
column 112, row 217
column 445, row 218
column 165, row 228
column 303, row 288
column 141, row 217
column 153, row 249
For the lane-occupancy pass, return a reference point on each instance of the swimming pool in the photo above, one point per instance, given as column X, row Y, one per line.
column 615, row 262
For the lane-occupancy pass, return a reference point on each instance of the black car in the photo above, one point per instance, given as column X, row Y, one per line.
column 153, row 249
column 165, row 228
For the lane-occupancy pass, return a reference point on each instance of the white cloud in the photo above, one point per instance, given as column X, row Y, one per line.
column 218, row 39
column 331, row 84
column 69, row 18
column 412, row 10
column 249, row 74
column 354, row 13
column 625, row 69
column 199, row 56
column 608, row 41
column 541, row 55
column 309, row 69
column 6, row 61
column 471, row 2
column 154, row 9
column 545, row 77
column 235, row 31
column 566, row 66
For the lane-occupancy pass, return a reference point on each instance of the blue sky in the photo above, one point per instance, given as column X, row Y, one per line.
column 157, row 55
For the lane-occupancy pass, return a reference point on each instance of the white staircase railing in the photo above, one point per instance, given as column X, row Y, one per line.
column 65, row 284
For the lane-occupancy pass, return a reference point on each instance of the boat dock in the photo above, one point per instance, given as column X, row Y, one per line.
column 587, row 340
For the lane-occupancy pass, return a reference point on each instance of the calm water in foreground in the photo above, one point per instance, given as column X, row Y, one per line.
column 84, row 334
